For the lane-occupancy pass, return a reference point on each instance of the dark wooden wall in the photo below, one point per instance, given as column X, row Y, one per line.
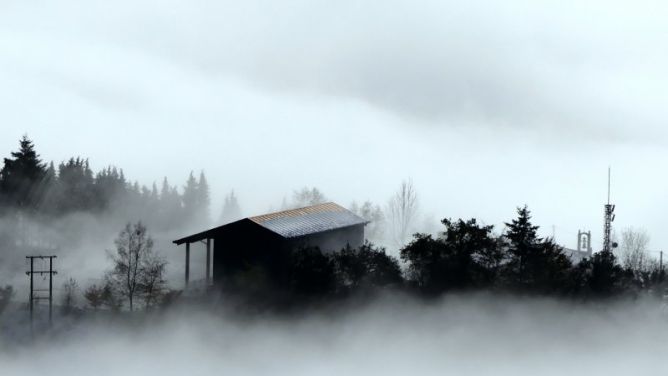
column 248, row 256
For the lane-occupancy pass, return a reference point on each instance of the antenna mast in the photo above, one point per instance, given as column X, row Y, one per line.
column 609, row 218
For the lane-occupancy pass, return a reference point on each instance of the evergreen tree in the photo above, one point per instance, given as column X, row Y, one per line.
column 231, row 210
column 190, row 198
column 522, row 237
column 110, row 187
column 534, row 264
column 22, row 177
column 203, row 200
column 603, row 276
column 171, row 209
column 75, row 189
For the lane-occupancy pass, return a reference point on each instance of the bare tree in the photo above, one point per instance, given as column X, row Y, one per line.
column 634, row 253
column 134, row 252
column 110, row 297
column 402, row 211
column 69, row 300
column 152, row 280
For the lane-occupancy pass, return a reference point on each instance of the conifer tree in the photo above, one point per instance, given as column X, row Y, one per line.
column 22, row 177
column 190, row 198
column 534, row 263
column 231, row 210
column 203, row 199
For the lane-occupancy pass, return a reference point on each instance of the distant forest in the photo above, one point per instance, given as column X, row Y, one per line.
column 31, row 187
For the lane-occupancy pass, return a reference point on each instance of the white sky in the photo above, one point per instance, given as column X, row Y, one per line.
column 486, row 105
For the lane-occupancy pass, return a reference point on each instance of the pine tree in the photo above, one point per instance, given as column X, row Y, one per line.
column 534, row 264
column 522, row 237
column 190, row 199
column 22, row 177
column 76, row 186
column 231, row 210
column 203, row 200
column 171, row 209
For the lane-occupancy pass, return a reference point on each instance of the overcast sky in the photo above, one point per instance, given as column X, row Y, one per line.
column 486, row 105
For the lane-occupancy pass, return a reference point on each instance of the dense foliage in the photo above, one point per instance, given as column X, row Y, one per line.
column 29, row 187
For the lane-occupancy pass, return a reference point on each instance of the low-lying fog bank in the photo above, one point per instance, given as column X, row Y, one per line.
column 458, row 335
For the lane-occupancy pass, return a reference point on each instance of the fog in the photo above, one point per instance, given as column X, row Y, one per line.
column 394, row 335
column 484, row 105
column 354, row 97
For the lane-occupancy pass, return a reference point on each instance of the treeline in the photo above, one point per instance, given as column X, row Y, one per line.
column 31, row 187
column 467, row 256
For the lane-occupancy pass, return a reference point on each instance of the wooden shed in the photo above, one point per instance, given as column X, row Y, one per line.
column 261, row 245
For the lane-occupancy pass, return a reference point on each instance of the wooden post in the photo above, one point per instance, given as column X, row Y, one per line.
column 32, row 296
column 187, row 263
column 208, row 261
column 50, row 291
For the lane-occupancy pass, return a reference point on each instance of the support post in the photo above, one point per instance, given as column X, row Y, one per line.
column 50, row 291
column 187, row 263
column 32, row 296
column 208, row 261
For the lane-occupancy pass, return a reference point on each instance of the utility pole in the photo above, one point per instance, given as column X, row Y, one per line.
column 33, row 290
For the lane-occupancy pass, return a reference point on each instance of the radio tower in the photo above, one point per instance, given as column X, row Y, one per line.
column 609, row 218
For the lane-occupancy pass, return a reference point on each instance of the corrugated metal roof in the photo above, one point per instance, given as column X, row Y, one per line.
column 309, row 220
column 292, row 223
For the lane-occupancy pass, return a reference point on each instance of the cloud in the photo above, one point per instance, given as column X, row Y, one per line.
column 585, row 69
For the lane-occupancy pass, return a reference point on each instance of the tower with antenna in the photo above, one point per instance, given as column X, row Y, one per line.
column 609, row 218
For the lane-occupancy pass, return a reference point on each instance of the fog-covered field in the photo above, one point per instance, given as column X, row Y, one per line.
column 477, row 335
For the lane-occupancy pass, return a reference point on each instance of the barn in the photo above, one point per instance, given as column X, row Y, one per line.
column 260, row 246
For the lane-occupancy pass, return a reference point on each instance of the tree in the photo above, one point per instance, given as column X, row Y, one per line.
column 477, row 253
column 465, row 256
column 427, row 260
column 109, row 296
column 171, row 207
column 203, row 200
column 95, row 296
column 367, row 266
column 311, row 272
column 534, row 264
column 634, row 253
column 307, row 197
column 134, row 261
column 6, row 294
column 231, row 210
column 374, row 215
column 153, row 283
column 190, row 198
column 75, row 190
column 22, row 177
column 69, row 299
column 402, row 210
column 110, row 186
column 603, row 277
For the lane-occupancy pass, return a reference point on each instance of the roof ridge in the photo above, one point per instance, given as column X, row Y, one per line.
column 305, row 210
